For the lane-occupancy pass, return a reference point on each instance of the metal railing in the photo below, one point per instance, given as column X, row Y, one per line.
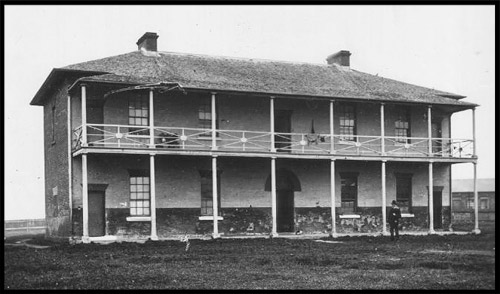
column 127, row 136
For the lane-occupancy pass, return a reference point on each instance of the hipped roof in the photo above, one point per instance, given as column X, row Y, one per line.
column 256, row 76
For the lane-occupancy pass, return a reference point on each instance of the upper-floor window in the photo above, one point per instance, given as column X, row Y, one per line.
column 207, row 193
column 139, row 193
column 138, row 111
column 347, row 122
column 403, row 192
column 348, row 192
column 402, row 125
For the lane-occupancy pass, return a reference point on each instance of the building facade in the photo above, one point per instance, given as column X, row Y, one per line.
column 463, row 204
column 153, row 144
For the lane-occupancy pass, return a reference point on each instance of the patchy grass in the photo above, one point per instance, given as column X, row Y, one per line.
column 415, row 262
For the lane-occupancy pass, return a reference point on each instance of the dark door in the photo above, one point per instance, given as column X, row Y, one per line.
column 285, row 211
column 95, row 115
column 436, row 133
column 282, row 124
column 97, row 225
column 438, row 208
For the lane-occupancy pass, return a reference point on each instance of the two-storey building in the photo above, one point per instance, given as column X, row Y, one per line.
column 153, row 144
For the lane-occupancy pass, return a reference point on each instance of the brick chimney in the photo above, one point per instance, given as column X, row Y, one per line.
column 341, row 58
column 147, row 42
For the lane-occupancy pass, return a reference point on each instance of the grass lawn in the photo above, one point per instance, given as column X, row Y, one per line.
column 415, row 262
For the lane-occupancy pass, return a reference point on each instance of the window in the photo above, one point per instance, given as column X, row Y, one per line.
column 139, row 193
column 347, row 122
column 457, row 204
column 138, row 115
column 205, row 114
column 206, row 192
column 469, row 204
column 402, row 125
column 403, row 192
column 138, row 111
column 484, row 203
column 349, row 192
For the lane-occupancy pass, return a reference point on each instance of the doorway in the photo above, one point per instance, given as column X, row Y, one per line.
column 97, row 219
column 436, row 134
column 285, row 211
column 438, row 209
column 282, row 124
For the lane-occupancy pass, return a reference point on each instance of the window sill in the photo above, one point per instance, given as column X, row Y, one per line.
column 138, row 218
column 349, row 216
column 209, row 217
column 407, row 215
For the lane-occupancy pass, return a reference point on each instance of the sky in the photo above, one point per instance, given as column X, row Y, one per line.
column 448, row 48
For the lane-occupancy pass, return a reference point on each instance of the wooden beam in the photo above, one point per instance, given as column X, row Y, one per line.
column 151, row 120
column 332, row 195
column 108, row 150
column 274, row 232
column 152, row 175
column 85, row 200
column 214, row 120
column 271, row 123
column 332, row 141
column 431, row 200
column 476, row 203
column 215, row 195
column 84, row 115
column 382, row 128
column 384, row 198
column 70, row 163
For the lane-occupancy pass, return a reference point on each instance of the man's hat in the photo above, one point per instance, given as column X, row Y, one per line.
column 393, row 202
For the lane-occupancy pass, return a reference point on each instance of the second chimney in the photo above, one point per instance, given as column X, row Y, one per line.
column 147, row 42
column 340, row 58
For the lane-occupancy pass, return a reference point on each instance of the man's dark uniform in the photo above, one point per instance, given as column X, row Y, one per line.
column 394, row 216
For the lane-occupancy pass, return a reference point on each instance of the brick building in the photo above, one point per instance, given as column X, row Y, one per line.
column 463, row 200
column 153, row 144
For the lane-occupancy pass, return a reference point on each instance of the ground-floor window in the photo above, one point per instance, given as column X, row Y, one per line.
column 469, row 204
column 207, row 193
column 139, row 193
column 349, row 192
column 484, row 203
column 403, row 192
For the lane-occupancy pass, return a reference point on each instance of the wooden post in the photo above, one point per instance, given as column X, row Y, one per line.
column 474, row 132
column 151, row 120
column 273, row 197
column 431, row 200
column 84, row 115
column 85, row 200
column 332, row 195
column 215, row 195
column 70, row 164
column 384, row 198
column 271, row 113
column 214, row 125
column 429, row 127
column 382, row 129
column 154, row 235
column 476, row 202
column 332, row 143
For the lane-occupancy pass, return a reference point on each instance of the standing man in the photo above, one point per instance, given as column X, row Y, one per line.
column 394, row 216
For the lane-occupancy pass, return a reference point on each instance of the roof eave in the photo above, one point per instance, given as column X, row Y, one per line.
column 54, row 75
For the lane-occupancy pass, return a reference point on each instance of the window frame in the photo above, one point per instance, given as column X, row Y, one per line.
column 206, row 193
column 205, row 110
column 402, row 133
column 345, row 195
column 351, row 135
column 401, row 180
column 136, row 187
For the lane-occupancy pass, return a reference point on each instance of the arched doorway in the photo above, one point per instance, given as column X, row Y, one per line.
column 286, row 184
